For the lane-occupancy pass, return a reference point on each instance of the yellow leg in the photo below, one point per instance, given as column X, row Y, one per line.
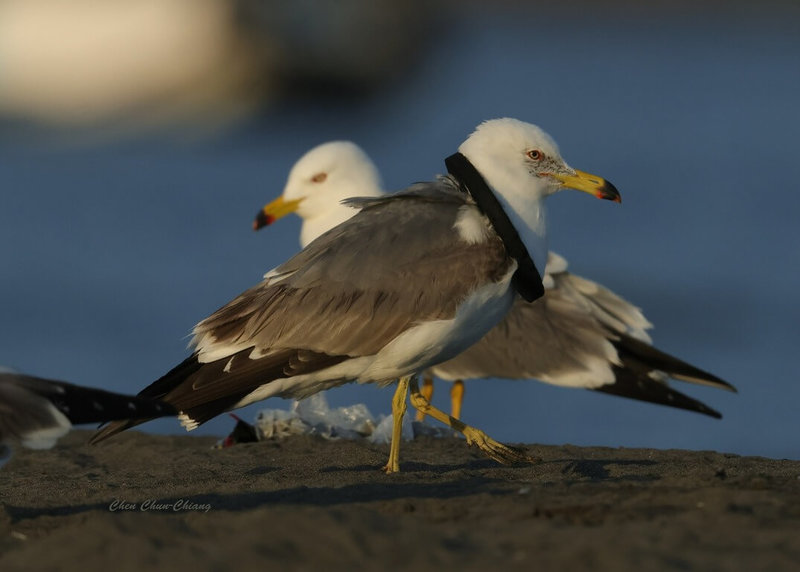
column 493, row 449
column 398, row 410
column 427, row 393
column 456, row 399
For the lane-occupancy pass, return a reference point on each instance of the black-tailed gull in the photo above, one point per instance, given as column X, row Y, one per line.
column 408, row 282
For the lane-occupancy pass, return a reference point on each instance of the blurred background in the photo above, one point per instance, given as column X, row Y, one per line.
column 138, row 138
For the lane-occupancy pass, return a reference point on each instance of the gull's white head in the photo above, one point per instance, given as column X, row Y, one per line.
column 318, row 182
column 515, row 157
column 522, row 165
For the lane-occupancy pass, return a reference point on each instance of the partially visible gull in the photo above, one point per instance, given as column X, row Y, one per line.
column 408, row 282
column 36, row 412
column 579, row 334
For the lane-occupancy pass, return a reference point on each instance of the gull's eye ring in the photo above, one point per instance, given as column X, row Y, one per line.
column 535, row 155
column 319, row 177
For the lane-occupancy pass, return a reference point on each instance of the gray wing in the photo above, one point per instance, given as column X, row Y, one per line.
column 396, row 263
column 611, row 310
column 550, row 339
column 580, row 334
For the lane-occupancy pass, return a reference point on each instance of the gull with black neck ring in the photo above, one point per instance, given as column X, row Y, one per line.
column 391, row 291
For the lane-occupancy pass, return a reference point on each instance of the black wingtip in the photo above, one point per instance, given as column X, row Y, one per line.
column 83, row 405
column 655, row 359
column 629, row 384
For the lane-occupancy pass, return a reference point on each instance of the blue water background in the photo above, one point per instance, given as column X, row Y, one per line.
column 110, row 251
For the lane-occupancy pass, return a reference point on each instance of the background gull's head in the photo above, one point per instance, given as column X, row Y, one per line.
column 318, row 182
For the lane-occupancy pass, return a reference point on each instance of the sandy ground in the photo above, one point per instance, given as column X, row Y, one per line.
column 141, row 501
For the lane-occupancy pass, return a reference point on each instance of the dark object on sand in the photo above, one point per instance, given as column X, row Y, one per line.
column 243, row 432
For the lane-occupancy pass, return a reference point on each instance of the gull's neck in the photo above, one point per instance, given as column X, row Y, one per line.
column 315, row 226
column 528, row 218
column 328, row 212
column 522, row 202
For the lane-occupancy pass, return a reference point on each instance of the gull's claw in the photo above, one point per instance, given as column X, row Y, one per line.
column 495, row 450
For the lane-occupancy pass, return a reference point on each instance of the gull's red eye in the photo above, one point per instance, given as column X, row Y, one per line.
column 535, row 154
column 319, row 177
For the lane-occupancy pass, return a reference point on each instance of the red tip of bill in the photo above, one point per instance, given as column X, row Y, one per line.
column 262, row 220
column 609, row 192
